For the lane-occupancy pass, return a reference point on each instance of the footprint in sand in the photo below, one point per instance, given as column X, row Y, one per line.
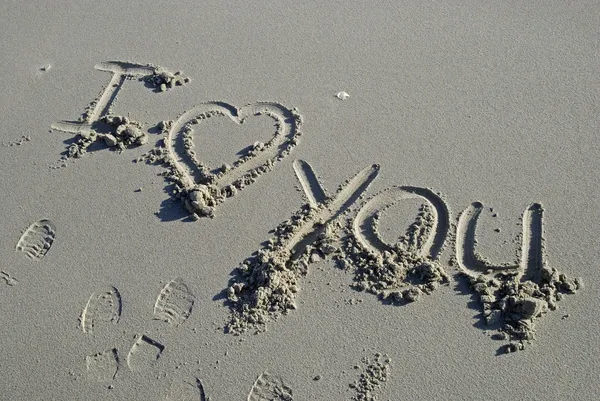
column 35, row 242
column 102, row 313
column 269, row 387
column 37, row 239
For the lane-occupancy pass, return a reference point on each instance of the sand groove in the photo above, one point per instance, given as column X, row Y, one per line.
column 309, row 182
column 431, row 242
column 401, row 272
column 531, row 249
column 37, row 239
column 121, row 71
column 330, row 210
column 201, row 189
column 512, row 295
column 269, row 282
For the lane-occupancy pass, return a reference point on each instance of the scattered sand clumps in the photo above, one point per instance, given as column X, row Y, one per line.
column 163, row 79
column 269, row 281
column 374, row 375
column 515, row 305
column 122, row 133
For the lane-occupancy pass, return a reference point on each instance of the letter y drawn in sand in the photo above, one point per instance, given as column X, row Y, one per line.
column 268, row 282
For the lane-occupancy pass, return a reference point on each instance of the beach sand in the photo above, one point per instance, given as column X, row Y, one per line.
column 297, row 200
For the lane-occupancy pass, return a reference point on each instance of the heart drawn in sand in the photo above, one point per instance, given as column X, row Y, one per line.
column 203, row 187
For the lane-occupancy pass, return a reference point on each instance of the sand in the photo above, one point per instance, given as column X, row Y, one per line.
column 299, row 201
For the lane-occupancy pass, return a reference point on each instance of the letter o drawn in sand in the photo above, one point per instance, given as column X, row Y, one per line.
column 400, row 272
column 174, row 303
column 429, row 242
column 207, row 188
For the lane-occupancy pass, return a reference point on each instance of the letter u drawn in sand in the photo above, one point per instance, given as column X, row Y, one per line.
column 512, row 294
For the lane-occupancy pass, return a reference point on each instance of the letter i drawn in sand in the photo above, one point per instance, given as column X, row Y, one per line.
column 514, row 294
column 267, row 283
column 101, row 107
column 97, row 123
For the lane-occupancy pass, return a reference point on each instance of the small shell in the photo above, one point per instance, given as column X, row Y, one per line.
column 342, row 95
